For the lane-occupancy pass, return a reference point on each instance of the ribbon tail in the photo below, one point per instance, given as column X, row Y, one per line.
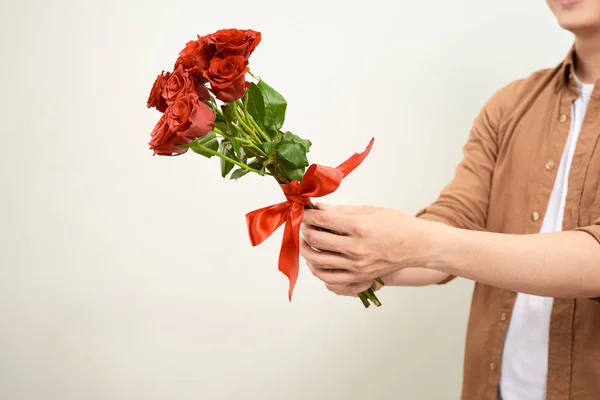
column 264, row 221
column 355, row 160
column 289, row 256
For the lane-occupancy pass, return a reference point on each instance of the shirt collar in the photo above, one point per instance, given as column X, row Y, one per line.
column 566, row 69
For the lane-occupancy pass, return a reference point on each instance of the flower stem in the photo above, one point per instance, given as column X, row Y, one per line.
column 279, row 176
column 371, row 296
column 243, row 133
column 224, row 157
column 244, row 102
column 227, row 136
column 258, row 128
column 248, row 129
column 247, row 142
column 212, row 103
column 249, row 119
column 364, row 300
column 259, row 150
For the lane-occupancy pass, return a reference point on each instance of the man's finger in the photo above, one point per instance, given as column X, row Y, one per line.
column 335, row 221
column 336, row 277
column 352, row 210
column 352, row 289
column 325, row 241
column 325, row 260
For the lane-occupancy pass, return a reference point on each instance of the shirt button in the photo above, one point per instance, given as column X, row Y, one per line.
column 550, row 165
column 492, row 366
column 535, row 216
column 503, row 317
column 562, row 118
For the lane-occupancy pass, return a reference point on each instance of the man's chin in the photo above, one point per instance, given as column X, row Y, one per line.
column 585, row 24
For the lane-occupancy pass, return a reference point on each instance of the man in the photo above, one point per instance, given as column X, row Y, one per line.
column 521, row 218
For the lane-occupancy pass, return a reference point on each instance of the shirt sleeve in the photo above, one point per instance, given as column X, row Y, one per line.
column 463, row 202
column 593, row 230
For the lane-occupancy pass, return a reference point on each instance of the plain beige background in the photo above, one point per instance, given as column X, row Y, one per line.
column 127, row 276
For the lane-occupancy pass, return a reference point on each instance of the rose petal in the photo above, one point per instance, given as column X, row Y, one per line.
column 201, row 119
column 233, row 92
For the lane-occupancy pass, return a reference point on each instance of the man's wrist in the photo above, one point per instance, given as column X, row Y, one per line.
column 440, row 244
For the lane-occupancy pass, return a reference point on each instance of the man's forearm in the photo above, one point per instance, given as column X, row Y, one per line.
column 415, row 277
column 565, row 264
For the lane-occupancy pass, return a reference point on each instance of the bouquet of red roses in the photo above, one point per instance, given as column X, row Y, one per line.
column 208, row 106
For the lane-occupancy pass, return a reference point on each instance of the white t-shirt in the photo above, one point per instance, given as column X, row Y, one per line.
column 525, row 358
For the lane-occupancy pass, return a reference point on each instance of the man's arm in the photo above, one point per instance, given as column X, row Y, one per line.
column 562, row 264
column 377, row 242
column 463, row 203
column 455, row 241
column 416, row 277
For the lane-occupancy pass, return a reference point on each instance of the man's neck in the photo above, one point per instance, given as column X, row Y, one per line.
column 587, row 53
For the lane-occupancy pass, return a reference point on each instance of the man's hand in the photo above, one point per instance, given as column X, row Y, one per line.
column 403, row 277
column 377, row 242
column 371, row 243
column 351, row 289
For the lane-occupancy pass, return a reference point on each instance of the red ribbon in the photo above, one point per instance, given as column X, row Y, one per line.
column 318, row 181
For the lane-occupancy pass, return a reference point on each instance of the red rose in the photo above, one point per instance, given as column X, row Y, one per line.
column 164, row 142
column 196, row 56
column 189, row 117
column 235, row 42
column 156, row 98
column 202, row 92
column 227, row 77
column 179, row 83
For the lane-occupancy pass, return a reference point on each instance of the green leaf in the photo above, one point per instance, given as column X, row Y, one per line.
column 256, row 164
column 238, row 173
column 256, row 104
column 209, row 141
column 277, row 137
column 229, row 118
column 296, row 174
column 219, row 119
column 269, row 146
column 222, row 125
column 292, row 155
column 233, row 132
column 227, row 112
column 226, row 166
column 245, row 155
column 237, row 148
column 290, row 137
column 275, row 106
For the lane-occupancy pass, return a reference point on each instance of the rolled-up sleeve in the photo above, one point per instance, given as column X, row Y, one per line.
column 463, row 202
column 593, row 230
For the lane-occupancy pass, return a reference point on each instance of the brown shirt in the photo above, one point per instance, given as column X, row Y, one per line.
column 503, row 184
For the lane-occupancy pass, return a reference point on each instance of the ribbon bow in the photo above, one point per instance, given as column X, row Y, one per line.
column 318, row 181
